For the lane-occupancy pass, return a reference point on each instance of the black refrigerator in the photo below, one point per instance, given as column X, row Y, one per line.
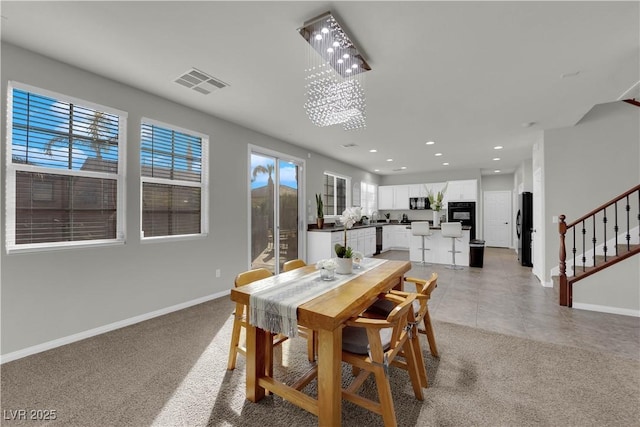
column 524, row 227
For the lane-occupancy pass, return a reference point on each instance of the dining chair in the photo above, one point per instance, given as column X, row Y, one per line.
column 292, row 264
column 371, row 346
column 309, row 334
column 240, row 320
column 421, row 314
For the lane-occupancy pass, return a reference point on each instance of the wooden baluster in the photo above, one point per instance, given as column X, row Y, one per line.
column 562, row 229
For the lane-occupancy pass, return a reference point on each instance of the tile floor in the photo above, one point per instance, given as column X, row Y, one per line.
column 507, row 298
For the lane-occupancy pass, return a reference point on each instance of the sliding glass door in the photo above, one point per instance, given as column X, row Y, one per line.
column 275, row 210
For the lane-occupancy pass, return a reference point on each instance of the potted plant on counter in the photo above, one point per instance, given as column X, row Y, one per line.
column 344, row 253
column 435, row 200
column 320, row 211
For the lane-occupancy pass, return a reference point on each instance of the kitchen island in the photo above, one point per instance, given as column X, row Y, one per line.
column 321, row 241
column 440, row 248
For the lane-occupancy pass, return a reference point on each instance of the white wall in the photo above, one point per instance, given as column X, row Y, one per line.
column 51, row 295
column 441, row 176
column 501, row 182
column 585, row 166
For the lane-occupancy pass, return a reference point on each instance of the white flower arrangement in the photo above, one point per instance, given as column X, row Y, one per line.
column 326, row 264
column 435, row 200
column 348, row 218
column 357, row 256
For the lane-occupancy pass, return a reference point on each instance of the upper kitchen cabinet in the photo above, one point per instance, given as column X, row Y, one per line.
column 393, row 197
column 466, row 190
column 418, row 190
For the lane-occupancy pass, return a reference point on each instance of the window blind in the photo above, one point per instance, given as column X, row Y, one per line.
column 62, row 182
column 173, row 179
column 335, row 194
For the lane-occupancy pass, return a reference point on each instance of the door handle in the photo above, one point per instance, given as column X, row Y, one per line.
column 506, row 223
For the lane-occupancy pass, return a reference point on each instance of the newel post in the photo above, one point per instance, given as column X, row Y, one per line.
column 562, row 229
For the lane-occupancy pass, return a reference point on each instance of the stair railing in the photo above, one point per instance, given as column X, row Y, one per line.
column 586, row 232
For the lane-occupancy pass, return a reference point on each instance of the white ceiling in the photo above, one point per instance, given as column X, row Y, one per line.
column 467, row 75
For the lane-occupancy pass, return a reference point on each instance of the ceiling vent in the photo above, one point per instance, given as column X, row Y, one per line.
column 349, row 145
column 200, row 82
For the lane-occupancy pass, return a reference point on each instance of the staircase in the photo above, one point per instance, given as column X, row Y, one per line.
column 590, row 249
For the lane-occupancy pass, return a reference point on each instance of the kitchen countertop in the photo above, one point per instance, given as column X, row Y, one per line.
column 328, row 228
column 332, row 227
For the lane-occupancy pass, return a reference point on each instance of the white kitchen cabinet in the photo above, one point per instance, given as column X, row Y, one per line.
column 321, row 244
column 401, row 197
column 465, row 190
column 393, row 197
column 418, row 190
column 387, row 238
column 399, row 237
column 385, row 197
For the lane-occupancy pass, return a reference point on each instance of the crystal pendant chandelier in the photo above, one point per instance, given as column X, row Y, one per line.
column 335, row 80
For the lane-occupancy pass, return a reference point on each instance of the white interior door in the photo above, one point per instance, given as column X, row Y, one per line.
column 497, row 218
column 537, row 237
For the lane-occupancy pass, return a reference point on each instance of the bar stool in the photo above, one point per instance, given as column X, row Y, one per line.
column 421, row 228
column 452, row 230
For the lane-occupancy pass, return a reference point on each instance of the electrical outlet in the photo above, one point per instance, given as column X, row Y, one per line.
column 217, row 272
column 554, row 219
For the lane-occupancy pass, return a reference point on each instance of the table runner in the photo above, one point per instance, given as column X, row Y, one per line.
column 275, row 309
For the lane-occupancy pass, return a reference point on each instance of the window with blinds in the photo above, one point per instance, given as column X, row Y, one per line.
column 64, row 186
column 336, row 189
column 173, row 166
column 368, row 198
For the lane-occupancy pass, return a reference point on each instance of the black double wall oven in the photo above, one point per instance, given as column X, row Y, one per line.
column 464, row 212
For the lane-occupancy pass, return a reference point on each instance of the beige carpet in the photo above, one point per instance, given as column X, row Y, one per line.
column 171, row 371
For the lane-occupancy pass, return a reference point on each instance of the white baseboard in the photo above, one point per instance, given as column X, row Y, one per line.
column 607, row 309
column 106, row 328
column 548, row 284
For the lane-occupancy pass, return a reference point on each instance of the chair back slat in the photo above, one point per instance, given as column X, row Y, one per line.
column 251, row 276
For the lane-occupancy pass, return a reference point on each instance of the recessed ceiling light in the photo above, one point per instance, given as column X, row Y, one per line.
column 497, row 171
column 430, row 142
column 572, row 74
column 376, row 170
column 373, row 150
column 498, row 147
column 445, row 164
column 438, row 154
column 496, row 158
column 403, row 167
column 389, row 160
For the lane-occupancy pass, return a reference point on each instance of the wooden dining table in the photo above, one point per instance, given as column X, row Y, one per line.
column 325, row 314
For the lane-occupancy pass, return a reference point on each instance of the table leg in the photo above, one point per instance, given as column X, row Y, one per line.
column 329, row 377
column 256, row 346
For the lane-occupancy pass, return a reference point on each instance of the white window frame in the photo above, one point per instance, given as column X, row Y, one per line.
column 203, row 184
column 368, row 191
column 13, row 168
column 347, row 195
